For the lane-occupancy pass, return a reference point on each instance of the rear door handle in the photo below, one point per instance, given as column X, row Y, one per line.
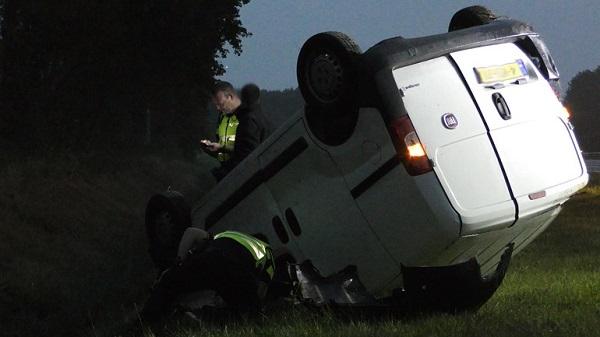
column 501, row 106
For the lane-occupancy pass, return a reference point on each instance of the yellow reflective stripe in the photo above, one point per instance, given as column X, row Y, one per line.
column 271, row 267
column 257, row 248
column 260, row 250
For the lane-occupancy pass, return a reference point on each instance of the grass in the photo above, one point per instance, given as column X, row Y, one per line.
column 72, row 241
column 73, row 262
column 552, row 289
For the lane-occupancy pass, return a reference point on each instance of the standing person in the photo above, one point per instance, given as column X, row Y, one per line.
column 237, row 266
column 225, row 102
column 253, row 127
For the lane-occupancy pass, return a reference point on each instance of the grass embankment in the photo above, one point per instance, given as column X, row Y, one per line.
column 552, row 289
column 73, row 261
column 72, row 240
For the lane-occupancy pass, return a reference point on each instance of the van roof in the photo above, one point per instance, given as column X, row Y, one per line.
column 398, row 51
column 377, row 83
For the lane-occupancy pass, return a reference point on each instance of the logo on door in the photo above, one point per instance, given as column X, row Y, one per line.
column 450, row 121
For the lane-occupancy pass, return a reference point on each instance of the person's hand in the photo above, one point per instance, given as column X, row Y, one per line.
column 210, row 146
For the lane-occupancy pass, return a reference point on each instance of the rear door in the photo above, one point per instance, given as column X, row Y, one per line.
column 525, row 121
column 456, row 140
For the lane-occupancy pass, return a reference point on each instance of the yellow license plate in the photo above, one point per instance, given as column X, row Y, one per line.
column 505, row 72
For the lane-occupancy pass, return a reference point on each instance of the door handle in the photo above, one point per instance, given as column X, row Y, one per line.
column 501, row 106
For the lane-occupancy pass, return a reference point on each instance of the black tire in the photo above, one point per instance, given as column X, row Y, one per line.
column 167, row 217
column 327, row 71
column 470, row 17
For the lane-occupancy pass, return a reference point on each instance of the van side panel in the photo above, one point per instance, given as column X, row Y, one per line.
column 239, row 204
column 310, row 190
column 241, row 201
column 411, row 216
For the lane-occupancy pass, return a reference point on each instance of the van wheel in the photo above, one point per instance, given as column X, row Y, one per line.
column 327, row 71
column 470, row 17
column 167, row 217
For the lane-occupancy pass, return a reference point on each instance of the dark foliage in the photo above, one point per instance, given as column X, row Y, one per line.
column 280, row 105
column 583, row 101
column 81, row 74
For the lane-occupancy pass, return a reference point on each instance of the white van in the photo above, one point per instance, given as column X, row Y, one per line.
column 415, row 167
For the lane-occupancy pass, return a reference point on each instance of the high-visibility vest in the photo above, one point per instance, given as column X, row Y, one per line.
column 261, row 252
column 226, row 135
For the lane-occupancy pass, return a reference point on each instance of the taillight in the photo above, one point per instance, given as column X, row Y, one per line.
column 409, row 148
column 565, row 113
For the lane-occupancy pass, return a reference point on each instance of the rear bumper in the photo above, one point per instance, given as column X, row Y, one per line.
column 555, row 195
column 487, row 247
column 450, row 288
column 453, row 288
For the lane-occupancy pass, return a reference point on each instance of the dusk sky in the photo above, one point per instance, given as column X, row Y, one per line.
column 280, row 27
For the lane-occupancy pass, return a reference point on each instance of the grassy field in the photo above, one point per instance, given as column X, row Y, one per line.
column 552, row 289
column 73, row 262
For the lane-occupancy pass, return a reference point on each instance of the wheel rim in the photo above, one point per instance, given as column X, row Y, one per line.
column 325, row 75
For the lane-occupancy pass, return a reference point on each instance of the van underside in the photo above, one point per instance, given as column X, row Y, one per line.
column 452, row 288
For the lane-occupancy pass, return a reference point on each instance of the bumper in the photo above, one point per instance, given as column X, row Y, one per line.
column 448, row 289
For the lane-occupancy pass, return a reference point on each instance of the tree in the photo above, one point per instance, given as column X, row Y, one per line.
column 279, row 105
column 583, row 102
column 79, row 74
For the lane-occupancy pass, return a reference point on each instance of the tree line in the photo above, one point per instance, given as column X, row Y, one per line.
column 583, row 101
column 81, row 75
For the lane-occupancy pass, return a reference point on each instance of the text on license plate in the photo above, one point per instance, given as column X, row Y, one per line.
column 501, row 73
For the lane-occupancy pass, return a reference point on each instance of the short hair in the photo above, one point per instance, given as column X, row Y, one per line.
column 223, row 86
column 471, row 16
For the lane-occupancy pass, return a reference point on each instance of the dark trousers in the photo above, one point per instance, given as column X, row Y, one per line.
column 224, row 266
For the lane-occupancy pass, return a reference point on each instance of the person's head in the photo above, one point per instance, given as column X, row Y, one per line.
column 471, row 16
column 250, row 94
column 225, row 97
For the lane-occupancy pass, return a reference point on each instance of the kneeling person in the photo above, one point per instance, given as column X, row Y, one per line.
column 238, row 267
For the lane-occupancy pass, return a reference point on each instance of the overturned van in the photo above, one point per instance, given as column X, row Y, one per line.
column 416, row 170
